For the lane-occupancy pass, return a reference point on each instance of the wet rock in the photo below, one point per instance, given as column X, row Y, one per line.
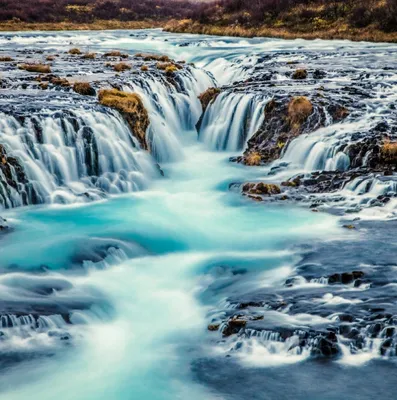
column 299, row 74
column 131, row 107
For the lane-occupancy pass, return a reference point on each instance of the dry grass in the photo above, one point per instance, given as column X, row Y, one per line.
column 299, row 109
column 261, row 188
column 253, row 159
column 144, row 68
column 299, row 74
column 84, row 88
column 335, row 31
column 89, row 56
column 39, row 68
column 208, row 97
column 58, row 81
column 153, row 57
column 389, row 152
column 74, row 26
column 121, row 67
column 131, row 107
column 75, row 51
column 168, row 67
column 116, row 53
column 50, row 58
column 6, row 59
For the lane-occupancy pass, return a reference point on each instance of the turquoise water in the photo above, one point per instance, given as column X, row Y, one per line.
column 173, row 233
column 148, row 319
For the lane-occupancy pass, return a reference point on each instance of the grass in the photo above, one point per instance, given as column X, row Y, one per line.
column 168, row 67
column 131, row 107
column 121, row 67
column 153, row 57
column 75, row 51
column 115, row 54
column 6, row 59
column 39, row 68
column 299, row 109
column 89, row 56
column 208, row 97
column 84, row 88
column 389, row 152
column 253, row 159
column 75, row 26
column 299, row 74
column 337, row 30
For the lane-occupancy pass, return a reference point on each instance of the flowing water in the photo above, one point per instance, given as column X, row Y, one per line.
column 133, row 269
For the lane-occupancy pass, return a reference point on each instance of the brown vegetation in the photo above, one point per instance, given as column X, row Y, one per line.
column 144, row 68
column 39, row 68
column 261, row 188
column 131, row 107
column 208, row 97
column 75, row 51
column 116, row 53
column 253, row 159
column 121, row 67
column 299, row 110
column 389, row 153
column 299, row 74
column 84, row 88
column 153, row 57
column 89, row 56
column 58, row 81
column 6, row 59
column 168, row 67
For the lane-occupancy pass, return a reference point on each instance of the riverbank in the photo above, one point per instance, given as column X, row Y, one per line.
column 335, row 31
column 12, row 26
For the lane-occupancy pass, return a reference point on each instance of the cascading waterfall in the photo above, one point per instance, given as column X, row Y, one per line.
column 174, row 110
column 72, row 157
column 231, row 120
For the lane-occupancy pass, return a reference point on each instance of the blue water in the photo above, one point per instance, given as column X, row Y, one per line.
column 148, row 320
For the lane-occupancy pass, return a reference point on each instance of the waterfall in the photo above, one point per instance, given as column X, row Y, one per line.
column 174, row 109
column 231, row 120
column 68, row 157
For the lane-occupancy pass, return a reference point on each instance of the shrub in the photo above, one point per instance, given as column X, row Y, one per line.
column 120, row 67
column 58, row 81
column 40, row 68
column 6, row 59
column 153, row 57
column 89, row 56
column 115, row 53
column 299, row 109
column 75, row 51
column 389, row 152
column 84, row 88
column 50, row 58
column 168, row 67
column 299, row 74
column 144, row 68
column 253, row 159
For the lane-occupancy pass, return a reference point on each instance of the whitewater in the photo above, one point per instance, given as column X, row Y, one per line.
column 142, row 265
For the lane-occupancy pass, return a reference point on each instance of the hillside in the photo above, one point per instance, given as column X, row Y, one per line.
column 368, row 19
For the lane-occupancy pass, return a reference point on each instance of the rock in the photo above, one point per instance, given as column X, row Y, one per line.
column 131, row 107
column 299, row 74
column 261, row 188
column 234, row 326
column 84, row 88
column 208, row 97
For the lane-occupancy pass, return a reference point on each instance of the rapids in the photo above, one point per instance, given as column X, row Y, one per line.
column 142, row 270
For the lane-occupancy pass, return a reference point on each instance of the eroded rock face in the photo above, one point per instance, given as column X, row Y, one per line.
column 285, row 119
column 131, row 107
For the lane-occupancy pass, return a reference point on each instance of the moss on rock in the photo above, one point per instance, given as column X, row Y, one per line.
column 131, row 107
